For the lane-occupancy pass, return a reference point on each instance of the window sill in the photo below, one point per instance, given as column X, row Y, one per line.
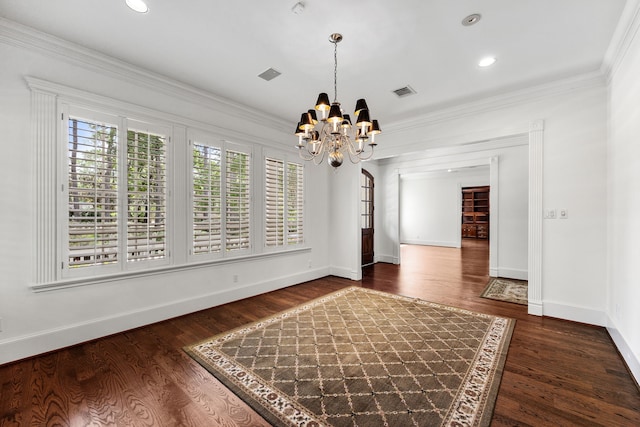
column 86, row 281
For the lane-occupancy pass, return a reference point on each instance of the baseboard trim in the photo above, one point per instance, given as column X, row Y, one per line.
column 345, row 273
column 25, row 346
column 574, row 313
column 535, row 309
column 431, row 243
column 389, row 259
column 625, row 351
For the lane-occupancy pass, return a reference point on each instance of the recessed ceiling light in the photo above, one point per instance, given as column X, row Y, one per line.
column 486, row 62
column 471, row 19
column 138, row 5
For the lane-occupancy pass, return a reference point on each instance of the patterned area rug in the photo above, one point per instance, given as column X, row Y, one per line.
column 359, row 357
column 509, row 290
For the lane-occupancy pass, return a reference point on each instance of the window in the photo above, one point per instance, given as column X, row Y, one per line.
column 116, row 194
column 92, row 229
column 284, row 197
column 146, row 196
column 221, row 199
column 115, row 197
column 238, row 201
column 295, row 203
column 274, row 202
column 207, row 201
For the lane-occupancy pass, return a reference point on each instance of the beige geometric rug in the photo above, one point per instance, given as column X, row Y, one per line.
column 509, row 290
column 367, row 358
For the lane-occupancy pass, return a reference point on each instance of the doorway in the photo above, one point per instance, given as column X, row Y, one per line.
column 366, row 216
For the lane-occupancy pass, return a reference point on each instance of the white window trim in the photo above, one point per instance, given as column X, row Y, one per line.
column 203, row 138
column 47, row 99
column 123, row 124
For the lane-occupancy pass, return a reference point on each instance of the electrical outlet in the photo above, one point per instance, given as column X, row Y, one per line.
column 563, row 214
column 235, row 278
column 310, row 264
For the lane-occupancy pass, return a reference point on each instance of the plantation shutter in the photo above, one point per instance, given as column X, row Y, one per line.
column 238, row 202
column 284, row 203
column 207, row 203
column 92, row 188
column 295, row 203
column 274, row 202
column 146, row 196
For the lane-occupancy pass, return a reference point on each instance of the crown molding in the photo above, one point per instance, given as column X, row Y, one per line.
column 624, row 35
column 91, row 100
column 28, row 38
column 504, row 100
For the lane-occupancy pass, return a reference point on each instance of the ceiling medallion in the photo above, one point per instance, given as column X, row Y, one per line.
column 336, row 136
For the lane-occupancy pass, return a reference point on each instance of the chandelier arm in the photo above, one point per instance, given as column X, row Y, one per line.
column 356, row 157
column 303, row 156
column 320, row 156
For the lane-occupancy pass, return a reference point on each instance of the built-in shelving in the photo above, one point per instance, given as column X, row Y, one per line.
column 475, row 212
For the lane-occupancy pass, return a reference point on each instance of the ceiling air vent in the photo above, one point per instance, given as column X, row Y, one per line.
column 269, row 74
column 404, row 91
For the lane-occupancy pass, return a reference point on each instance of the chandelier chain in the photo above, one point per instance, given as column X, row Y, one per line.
column 335, row 72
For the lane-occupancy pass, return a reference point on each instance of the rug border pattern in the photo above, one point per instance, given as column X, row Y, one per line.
column 468, row 408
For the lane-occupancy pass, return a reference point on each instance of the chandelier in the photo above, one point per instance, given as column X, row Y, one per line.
column 337, row 136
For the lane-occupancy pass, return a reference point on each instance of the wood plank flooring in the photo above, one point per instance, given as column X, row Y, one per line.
column 557, row 373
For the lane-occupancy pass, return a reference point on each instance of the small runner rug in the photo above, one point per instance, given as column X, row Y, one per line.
column 509, row 290
column 359, row 357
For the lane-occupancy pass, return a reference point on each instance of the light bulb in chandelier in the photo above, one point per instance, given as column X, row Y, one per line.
column 336, row 137
column 363, row 121
column 373, row 131
column 335, row 115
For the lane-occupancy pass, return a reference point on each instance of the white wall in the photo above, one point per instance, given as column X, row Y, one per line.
column 35, row 322
column 430, row 205
column 344, row 227
column 574, row 114
column 506, row 160
column 623, row 185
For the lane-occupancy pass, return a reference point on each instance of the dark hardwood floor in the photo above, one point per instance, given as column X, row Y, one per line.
column 557, row 373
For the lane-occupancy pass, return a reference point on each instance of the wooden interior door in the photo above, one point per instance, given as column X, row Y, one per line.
column 366, row 215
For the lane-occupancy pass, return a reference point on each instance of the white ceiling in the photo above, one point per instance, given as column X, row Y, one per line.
column 222, row 46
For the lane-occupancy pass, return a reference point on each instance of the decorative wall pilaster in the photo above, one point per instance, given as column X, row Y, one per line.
column 44, row 154
column 494, row 178
column 536, row 146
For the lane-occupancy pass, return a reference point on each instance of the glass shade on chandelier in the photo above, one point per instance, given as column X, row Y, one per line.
column 337, row 136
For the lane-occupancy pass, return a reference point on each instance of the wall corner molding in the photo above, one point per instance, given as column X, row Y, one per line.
column 624, row 35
